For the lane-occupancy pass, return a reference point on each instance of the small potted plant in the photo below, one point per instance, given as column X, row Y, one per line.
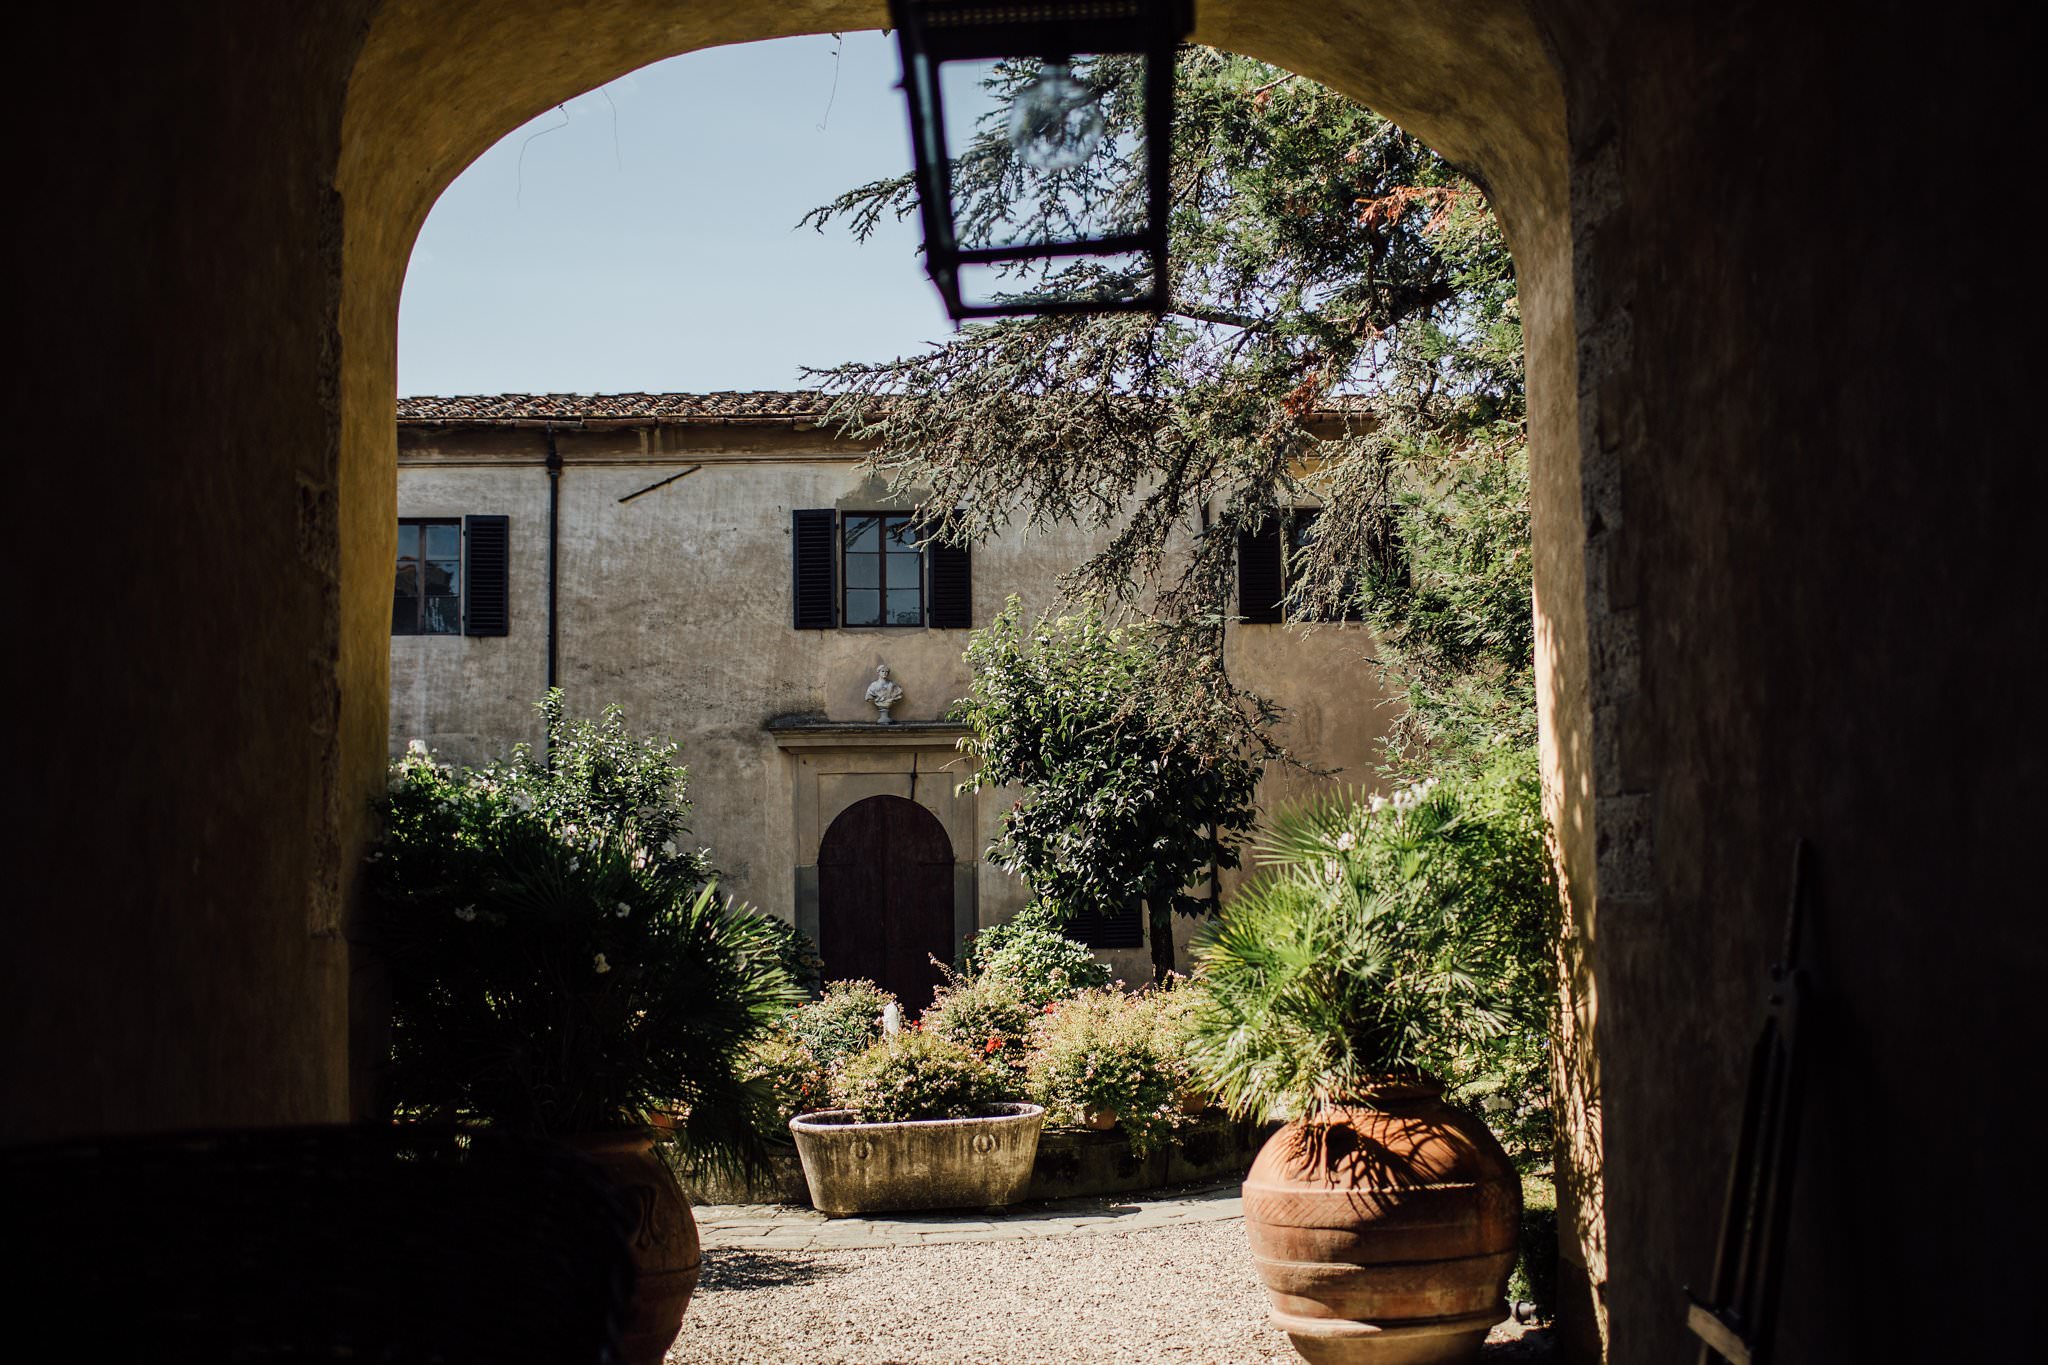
column 559, row 963
column 922, row 1124
column 1387, row 950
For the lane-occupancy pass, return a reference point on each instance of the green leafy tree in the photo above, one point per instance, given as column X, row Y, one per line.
column 1343, row 331
column 1125, row 800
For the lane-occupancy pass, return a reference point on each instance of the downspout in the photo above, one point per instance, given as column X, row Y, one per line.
column 554, row 468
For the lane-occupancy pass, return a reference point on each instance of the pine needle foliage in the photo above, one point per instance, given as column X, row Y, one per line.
column 1343, row 332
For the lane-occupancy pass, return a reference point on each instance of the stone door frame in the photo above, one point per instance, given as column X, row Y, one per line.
column 834, row 765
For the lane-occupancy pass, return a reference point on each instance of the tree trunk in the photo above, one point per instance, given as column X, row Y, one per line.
column 1160, row 928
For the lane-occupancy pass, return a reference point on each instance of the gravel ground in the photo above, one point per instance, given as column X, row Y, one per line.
column 1178, row 1294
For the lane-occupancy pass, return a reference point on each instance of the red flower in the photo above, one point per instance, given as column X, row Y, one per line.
column 1048, row 1009
column 994, row 1044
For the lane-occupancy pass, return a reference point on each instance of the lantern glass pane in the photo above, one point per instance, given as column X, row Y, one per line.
column 1070, row 140
column 1087, row 279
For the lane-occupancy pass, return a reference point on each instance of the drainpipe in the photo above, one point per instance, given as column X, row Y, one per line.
column 554, row 467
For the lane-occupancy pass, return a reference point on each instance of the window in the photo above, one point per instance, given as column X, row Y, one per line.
column 1268, row 574
column 427, row 599
column 452, row 576
column 869, row 569
column 884, row 571
column 1301, row 534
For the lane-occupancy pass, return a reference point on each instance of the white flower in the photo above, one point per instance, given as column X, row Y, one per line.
column 466, row 913
column 624, row 909
column 1378, row 803
column 668, row 848
column 575, row 863
column 522, row 801
column 416, row 746
column 599, row 965
column 1347, row 841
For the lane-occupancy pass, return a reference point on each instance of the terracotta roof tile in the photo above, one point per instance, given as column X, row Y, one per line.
column 754, row 406
column 783, row 406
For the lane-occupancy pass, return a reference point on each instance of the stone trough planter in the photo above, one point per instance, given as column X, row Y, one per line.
column 980, row 1162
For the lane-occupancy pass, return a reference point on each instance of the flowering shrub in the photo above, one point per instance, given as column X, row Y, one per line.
column 558, row 959
column 1040, row 963
column 846, row 1021
column 1169, row 1011
column 792, row 1074
column 915, row 1075
column 1105, row 1052
column 987, row 1015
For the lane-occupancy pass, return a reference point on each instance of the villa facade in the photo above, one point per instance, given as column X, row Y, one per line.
column 721, row 567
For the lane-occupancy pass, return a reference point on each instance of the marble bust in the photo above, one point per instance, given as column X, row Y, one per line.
column 884, row 692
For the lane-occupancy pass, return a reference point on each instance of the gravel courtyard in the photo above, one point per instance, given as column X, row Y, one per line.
column 1167, row 1282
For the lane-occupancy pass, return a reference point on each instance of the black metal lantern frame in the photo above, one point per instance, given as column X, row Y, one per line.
column 934, row 32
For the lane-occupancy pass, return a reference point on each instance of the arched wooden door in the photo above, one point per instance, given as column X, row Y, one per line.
column 885, row 897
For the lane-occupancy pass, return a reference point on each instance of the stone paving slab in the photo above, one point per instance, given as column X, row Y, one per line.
column 776, row 1227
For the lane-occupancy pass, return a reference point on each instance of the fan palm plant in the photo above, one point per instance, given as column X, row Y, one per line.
column 1403, row 937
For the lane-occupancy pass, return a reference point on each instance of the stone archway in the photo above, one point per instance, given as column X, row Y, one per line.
column 438, row 81
column 885, row 898
column 1796, row 408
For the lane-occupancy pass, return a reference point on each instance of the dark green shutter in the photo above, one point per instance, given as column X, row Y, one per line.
column 950, row 604
column 486, row 575
column 1123, row 928
column 1259, row 583
column 814, row 568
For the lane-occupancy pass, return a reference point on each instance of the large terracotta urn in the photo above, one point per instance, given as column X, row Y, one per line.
column 666, row 1255
column 1384, row 1229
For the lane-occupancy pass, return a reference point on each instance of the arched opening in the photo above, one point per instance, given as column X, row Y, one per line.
column 433, row 89
column 885, row 897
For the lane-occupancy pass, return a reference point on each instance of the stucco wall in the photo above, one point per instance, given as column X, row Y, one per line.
column 675, row 604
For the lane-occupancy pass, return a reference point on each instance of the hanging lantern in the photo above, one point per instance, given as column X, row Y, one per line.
column 1066, row 225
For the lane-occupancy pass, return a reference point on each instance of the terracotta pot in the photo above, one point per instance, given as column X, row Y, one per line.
column 1193, row 1103
column 666, row 1257
column 1101, row 1120
column 1384, row 1230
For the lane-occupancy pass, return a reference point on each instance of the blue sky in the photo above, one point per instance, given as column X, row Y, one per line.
column 645, row 237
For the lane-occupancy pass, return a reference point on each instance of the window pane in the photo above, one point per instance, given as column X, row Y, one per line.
column 900, row 537
column 405, row 615
column 863, row 607
column 442, row 577
column 904, row 607
column 444, row 616
column 862, row 533
column 443, row 541
column 863, row 571
column 905, row 571
column 408, row 578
